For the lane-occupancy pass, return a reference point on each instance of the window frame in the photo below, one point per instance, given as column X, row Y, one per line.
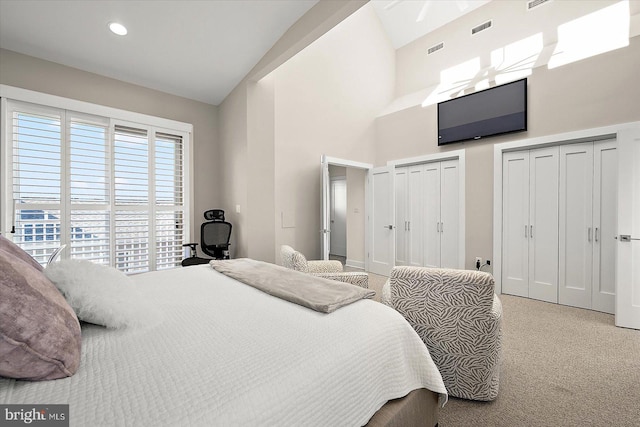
column 72, row 109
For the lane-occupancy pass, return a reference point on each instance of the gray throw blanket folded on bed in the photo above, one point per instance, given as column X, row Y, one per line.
column 303, row 289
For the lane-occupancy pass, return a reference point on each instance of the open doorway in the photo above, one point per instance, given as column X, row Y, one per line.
column 338, row 213
column 343, row 206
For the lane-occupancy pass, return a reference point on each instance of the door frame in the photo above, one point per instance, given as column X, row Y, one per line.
column 585, row 135
column 325, row 213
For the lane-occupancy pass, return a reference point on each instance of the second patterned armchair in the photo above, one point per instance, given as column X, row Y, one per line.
column 327, row 269
column 459, row 318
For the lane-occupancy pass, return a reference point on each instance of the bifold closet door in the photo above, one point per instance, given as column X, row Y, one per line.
column 415, row 203
column 605, row 215
column 515, row 223
column 543, row 224
column 530, row 224
column 431, row 215
column 576, row 231
column 588, row 214
column 449, row 214
column 401, row 215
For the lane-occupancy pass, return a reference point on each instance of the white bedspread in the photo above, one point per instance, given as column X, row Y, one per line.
column 227, row 354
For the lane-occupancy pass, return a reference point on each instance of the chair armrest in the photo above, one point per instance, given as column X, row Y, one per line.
column 330, row 266
column 192, row 249
column 352, row 277
column 385, row 298
column 496, row 309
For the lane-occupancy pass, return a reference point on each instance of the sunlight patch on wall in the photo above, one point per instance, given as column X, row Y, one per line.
column 590, row 35
column 452, row 80
column 598, row 32
column 516, row 60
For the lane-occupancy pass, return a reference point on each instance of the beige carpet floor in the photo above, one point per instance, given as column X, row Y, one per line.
column 562, row 366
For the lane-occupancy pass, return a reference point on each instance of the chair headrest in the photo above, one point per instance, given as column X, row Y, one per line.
column 214, row 215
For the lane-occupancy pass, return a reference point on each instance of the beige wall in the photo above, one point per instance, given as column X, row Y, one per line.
column 326, row 101
column 48, row 77
column 593, row 92
column 234, row 166
column 248, row 126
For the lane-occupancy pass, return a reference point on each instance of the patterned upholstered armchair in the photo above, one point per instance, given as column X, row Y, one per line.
column 327, row 269
column 459, row 318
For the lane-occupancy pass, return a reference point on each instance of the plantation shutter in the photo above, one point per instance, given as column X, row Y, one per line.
column 37, row 178
column 112, row 191
column 132, row 194
column 89, row 191
column 169, row 198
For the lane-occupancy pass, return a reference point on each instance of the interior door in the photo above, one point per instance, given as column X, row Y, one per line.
column 325, row 209
column 605, row 218
column 515, row 223
column 381, row 220
column 400, row 184
column 431, row 215
column 415, row 235
column 543, row 224
column 576, row 231
column 628, row 236
column 449, row 215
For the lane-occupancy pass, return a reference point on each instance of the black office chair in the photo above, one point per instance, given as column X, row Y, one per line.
column 214, row 238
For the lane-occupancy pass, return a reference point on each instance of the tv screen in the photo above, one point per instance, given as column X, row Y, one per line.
column 498, row 110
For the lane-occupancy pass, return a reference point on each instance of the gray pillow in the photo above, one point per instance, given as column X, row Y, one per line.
column 39, row 332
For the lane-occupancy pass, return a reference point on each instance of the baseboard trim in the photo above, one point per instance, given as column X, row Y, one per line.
column 355, row 264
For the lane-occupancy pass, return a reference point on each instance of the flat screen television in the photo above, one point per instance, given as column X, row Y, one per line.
column 497, row 110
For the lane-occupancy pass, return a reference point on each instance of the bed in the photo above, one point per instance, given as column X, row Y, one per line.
column 220, row 352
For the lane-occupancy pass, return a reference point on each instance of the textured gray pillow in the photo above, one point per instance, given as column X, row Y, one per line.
column 39, row 332
column 10, row 247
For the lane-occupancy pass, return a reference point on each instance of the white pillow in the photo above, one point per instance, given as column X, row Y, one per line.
column 101, row 294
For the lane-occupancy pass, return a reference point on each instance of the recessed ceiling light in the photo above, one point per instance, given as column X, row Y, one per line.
column 118, row 29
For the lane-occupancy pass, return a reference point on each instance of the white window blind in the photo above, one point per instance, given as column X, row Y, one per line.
column 112, row 192
column 169, row 199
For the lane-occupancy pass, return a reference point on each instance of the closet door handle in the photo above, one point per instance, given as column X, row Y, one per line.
column 525, row 231
column 442, row 227
column 531, row 231
column 596, row 234
column 408, row 225
column 589, row 234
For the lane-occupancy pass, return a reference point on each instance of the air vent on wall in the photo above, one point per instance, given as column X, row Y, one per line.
column 435, row 48
column 535, row 3
column 481, row 27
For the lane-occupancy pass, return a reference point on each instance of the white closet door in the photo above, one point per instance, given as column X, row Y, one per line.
column 515, row 223
column 543, row 224
column 415, row 236
column 449, row 214
column 628, row 249
column 431, row 215
column 576, row 231
column 381, row 190
column 401, row 215
column 605, row 203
